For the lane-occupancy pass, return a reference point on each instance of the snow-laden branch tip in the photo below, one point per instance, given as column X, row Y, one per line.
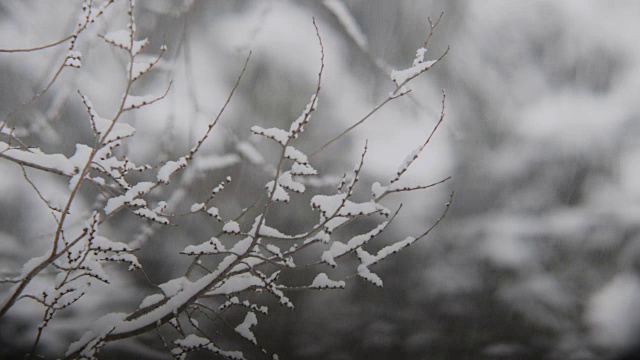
column 244, row 329
column 401, row 77
column 278, row 135
column 322, row 281
column 35, row 158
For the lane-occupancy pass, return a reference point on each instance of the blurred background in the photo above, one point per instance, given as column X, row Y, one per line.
column 539, row 255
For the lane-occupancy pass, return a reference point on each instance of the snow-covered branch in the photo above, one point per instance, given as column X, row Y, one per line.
column 246, row 259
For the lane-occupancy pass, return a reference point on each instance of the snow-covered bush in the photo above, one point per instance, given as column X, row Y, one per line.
column 91, row 190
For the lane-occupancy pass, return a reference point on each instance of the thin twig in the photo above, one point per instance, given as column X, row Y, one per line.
column 36, row 48
column 405, row 166
column 398, row 92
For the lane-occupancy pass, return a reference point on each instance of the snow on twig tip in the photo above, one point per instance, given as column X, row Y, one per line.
column 74, row 59
column 170, row 168
column 244, row 329
column 322, row 281
column 231, row 227
column 279, row 194
column 278, row 135
column 401, row 77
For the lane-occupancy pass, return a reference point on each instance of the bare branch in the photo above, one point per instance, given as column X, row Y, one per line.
column 37, row 48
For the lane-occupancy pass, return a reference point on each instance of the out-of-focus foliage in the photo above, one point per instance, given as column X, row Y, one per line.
column 540, row 256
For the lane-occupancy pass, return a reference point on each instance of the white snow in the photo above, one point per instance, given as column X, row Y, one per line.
column 235, row 301
column 335, row 223
column 139, row 189
column 328, row 204
column 336, row 204
column 295, row 155
column 362, row 239
column 410, row 158
column 322, row 281
column 37, row 157
column 322, row 236
column 266, row 230
column 327, row 258
column 69, row 294
column 150, row 300
column 388, row 250
column 116, row 324
column 138, row 45
column 101, row 326
column 174, row 286
column 197, row 207
column 401, row 76
column 32, row 263
column 151, row 215
column 287, row 182
column 276, row 134
column 419, row 56
column 129, row 258
column 272, row 232
column 244, row 329
column 103, row 243
column 231, row 227
column 338, row 249
column 92, row 265
column 274, row 249
column 302, row 169
column 193, row 342
column 242, row 246
column 130, row 197
column 366, row 274
column 74, row 59
column 370, row 207
column 170, row 168
column 81, row 156
column 213, row 246
column 98, row 180
column 141, row 65
column 79, row 160
column 113, row 204
column 120, row 38
column 280, row 194
column 378, row 190
column 186, row 290
column 298, row 124
column 213, row 211
column 120, row 130
column 236, row 283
